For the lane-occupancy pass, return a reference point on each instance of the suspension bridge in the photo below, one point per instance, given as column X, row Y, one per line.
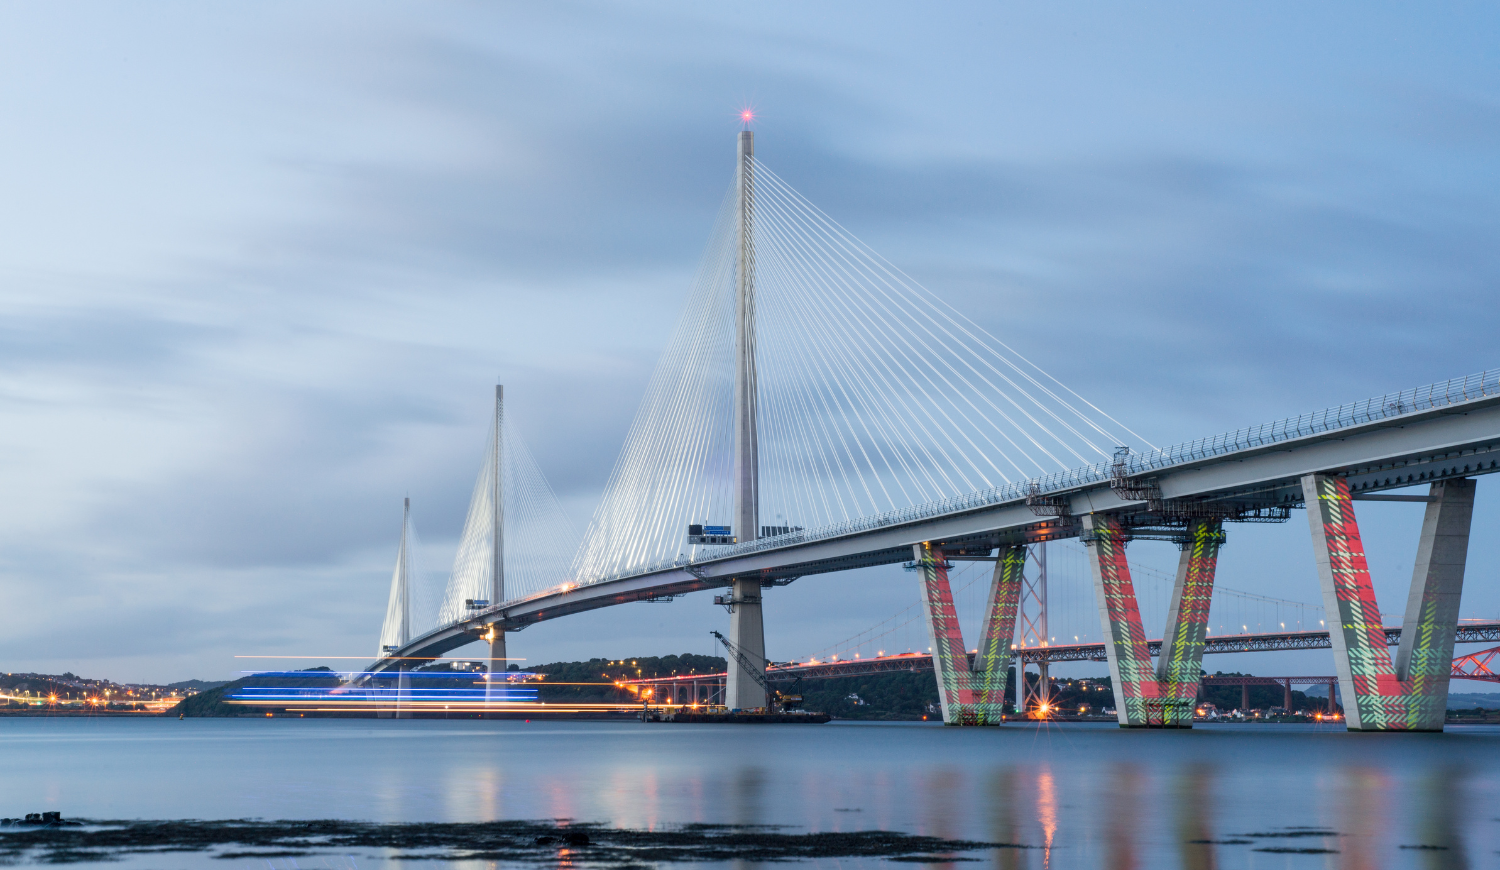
column 817, row 410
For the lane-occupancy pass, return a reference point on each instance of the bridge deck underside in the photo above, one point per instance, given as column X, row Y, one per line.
column 1488, row 632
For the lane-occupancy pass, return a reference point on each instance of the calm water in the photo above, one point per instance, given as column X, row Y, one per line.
column 1086, row 796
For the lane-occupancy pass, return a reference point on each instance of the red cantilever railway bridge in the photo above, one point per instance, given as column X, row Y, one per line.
column 1482, row 632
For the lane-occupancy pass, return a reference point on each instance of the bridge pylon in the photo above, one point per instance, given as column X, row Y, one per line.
column 496, row 634
column 1165, row 695
column 743, row 691
column 1411, row 692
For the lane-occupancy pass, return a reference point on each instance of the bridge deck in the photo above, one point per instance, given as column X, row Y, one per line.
column 1393, row 441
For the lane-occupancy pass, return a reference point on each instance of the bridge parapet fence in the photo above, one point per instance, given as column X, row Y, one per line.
column 1449, row 393
column 1391, row 405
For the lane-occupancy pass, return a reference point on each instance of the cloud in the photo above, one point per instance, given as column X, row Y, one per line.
column 250, row 305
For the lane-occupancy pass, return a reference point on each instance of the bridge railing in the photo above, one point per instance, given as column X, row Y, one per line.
column 1452, row 392
column 1391, row 405
column 1455, row 391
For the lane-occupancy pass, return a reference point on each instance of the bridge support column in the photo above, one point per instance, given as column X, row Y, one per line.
column 1163, row 696
column 1130, row 672
column 970, row 695
column 498, row 665
column 1179, row 670
column 1425, row 655
column 746, row 631
column 1379, row 696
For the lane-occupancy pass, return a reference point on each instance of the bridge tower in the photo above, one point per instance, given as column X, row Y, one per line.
column 496, row 634
column 746, row 628
column 404, row 590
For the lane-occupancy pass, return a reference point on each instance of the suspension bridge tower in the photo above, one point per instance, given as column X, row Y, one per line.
column 746, row 628
column 497, row 531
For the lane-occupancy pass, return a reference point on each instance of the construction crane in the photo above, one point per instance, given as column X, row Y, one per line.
column 785, row 702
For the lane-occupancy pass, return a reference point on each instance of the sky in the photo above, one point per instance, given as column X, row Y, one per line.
column 262, row 265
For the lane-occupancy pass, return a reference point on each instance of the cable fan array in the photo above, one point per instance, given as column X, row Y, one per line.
column 537, row 543
column 406, row 583
column 537, row 539
column 872, row 393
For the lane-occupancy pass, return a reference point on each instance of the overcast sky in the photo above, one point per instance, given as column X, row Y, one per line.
column 262, row 263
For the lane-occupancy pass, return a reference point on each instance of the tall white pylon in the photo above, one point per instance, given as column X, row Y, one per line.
column 396, row 631
column 746, row 628
column 497, row 595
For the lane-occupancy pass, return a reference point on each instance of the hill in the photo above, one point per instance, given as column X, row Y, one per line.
column 213, row 703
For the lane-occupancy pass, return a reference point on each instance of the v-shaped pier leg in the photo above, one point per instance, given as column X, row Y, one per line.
column 996, row 637
column 1377, row 697
column 970, row 695
column 1424, row 660
column 1179, row 670
column 1137, row 693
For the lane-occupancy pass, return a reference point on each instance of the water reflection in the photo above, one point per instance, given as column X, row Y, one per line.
column 1440, row 798
column 942, row 801
column 1123, row 826
column 1088, row 798
column 747, row 796
column 942, row 792
column 1194, row 788
column 1007, row 804
column 1363, row 820
column 1046, row 805
column 488, row 789
column 746, row 804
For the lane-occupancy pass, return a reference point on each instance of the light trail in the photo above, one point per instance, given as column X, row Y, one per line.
column 388, row 658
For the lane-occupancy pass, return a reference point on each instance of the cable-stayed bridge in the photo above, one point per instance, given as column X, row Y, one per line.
column 817, row 410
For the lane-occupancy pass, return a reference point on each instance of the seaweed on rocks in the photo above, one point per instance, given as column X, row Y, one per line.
column 535, row 842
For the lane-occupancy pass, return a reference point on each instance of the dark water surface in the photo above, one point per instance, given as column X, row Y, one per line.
column 1079, row 795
